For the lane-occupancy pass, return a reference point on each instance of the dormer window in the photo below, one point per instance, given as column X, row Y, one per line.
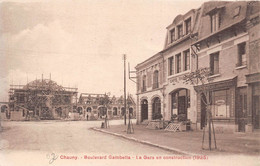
column 188, row 26
column 214, row 21
column 172, row 33
column 180, row 31
column 237, row 11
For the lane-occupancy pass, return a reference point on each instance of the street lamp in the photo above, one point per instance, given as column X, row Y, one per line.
column 124, row 58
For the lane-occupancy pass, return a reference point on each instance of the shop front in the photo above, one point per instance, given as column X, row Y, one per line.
column 180, row 102
column 253, row 97
column 222, row 105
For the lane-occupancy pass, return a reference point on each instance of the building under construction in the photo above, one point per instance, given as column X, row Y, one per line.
column 41, row 99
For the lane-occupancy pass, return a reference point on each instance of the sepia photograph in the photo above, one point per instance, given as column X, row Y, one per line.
column 129, row 82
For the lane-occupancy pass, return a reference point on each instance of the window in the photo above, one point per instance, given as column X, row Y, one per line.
column 241, row 54
column 144, row 84
column 186, row 60
column 172, row 32
column 237, row 11
column 188, row 26
column 214, row 63
column 178, row 63
column 21, row 98
column 180, row 31
column 220, row 104
column 171, row 67
column 155, row 79
column 214, row 21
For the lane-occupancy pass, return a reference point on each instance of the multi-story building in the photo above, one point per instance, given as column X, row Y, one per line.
column 223, row 45
column 222, row 36
column 41, row 99
column 150, row 78
column 253, row 76
column 160, row 86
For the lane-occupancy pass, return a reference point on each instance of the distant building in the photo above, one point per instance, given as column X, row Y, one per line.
column 91, row 105
column 41, row 99
column 4, row 106
column 223, row 36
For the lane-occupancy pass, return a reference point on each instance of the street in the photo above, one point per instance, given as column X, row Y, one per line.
column 74, row 143
column 70, row 141
column 68, row 136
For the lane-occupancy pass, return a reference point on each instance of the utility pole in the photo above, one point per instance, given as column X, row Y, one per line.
column 124, row 57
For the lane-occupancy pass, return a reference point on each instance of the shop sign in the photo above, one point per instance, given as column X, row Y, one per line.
column 175, row 80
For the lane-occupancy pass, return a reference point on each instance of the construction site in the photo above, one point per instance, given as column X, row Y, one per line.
column 44, row 99
column 41, row 99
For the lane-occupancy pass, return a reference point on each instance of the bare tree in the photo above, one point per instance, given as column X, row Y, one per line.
column 201, row 79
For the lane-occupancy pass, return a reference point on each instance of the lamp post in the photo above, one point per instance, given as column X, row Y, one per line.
column 124, row 57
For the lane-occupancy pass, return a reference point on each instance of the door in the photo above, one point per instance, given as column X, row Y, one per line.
column 182, row 105
column 241, row 113
column 156, row 107
column 144, row 110
column 256, row 112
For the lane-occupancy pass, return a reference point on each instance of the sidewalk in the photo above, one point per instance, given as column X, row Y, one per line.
column 190, row 142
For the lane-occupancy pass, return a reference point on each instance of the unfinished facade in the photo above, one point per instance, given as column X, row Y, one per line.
column 96, row 106
column 41, row 99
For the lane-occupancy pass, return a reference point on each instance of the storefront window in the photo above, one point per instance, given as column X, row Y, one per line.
column 180, row 101
column 220, row 107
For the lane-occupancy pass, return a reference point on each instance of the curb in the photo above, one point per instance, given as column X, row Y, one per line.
column 146, row 142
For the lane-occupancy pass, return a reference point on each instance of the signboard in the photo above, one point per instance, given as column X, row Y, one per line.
column 175, row 80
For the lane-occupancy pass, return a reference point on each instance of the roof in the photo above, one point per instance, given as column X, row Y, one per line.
column 46, row 84
column 227, row 12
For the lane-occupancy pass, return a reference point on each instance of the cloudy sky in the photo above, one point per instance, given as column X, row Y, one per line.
column 81, row 42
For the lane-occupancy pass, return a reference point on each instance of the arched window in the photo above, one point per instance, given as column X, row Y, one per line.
column 89, row 109
column 144, row 84
column 155, row 79
column 114, row 111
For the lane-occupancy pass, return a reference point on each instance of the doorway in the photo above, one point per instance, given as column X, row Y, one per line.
column 203, row 114
column 144, row 110
column 256, row 112
column 156, row 107
column 180, row 102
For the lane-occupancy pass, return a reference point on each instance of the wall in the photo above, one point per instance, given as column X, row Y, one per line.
column 149, row 97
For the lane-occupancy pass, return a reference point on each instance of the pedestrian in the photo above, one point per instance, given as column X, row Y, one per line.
column 87, row 116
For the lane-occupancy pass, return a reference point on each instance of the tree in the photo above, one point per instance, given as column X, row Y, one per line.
column 105, row 101
column 201, row 79
column 130, row 127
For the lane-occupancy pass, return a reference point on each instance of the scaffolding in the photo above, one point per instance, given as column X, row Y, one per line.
column 42, row 99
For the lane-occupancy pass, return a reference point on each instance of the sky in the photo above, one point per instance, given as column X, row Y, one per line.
column 81, row 42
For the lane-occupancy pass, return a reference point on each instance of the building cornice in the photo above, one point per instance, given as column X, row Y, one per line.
column 148, row 61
